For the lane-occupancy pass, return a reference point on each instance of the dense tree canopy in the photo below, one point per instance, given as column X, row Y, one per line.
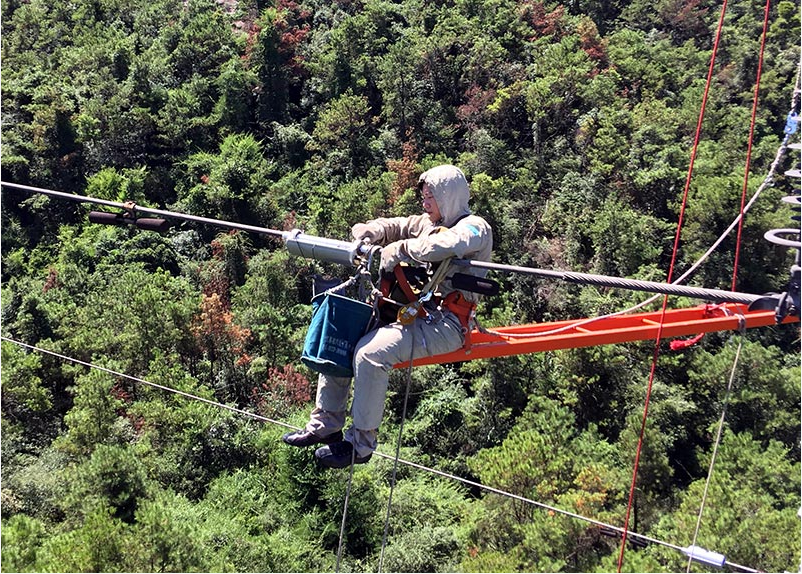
column 574, row 123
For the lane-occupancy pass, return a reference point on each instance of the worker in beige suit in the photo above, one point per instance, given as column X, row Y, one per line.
column 446, row 229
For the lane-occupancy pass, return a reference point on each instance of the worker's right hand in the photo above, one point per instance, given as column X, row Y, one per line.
column 364, row 232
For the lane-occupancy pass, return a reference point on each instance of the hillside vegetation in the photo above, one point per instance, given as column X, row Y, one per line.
column 574, row 123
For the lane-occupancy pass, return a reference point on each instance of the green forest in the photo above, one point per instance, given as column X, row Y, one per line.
column 575, row 124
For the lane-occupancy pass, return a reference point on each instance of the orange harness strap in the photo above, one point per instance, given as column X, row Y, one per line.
column 464, row 310
column 403, row 283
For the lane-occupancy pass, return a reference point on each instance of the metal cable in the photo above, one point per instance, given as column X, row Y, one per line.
column 148, row 383
column 465, row 481
column 148, row 210
column 717, row 295
column 575, row 277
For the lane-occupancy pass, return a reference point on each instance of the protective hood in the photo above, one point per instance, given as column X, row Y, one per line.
column 450, row 190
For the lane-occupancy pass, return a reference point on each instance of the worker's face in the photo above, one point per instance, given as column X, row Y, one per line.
column 430, row 203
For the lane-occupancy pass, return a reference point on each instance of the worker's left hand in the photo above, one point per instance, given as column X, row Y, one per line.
column 393, row 254
column 364, row 232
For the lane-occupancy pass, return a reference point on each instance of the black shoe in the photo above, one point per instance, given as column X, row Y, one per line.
column 339, row 455
column 306, row 438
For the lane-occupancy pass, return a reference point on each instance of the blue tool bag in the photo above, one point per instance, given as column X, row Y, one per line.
column 338, row 323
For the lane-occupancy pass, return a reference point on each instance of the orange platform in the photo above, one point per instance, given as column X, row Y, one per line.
column 619, row 329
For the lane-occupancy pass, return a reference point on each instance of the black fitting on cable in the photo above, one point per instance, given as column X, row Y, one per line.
column 789, row 302
column 153, row 224
column 106, row 218
column 123, row 219
column 634, row 540
column 474, row 284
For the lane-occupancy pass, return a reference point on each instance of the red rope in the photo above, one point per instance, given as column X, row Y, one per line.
column 749, row 146
column 680, row 344
column 656, row 353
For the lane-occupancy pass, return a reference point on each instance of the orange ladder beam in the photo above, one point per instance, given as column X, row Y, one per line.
column 610, row 330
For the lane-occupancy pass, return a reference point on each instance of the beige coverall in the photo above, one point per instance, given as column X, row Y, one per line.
column 412, row 239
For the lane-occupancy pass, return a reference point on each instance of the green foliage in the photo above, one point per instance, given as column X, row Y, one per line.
column 166, row 536
column 420, row 500
column 437, row 423
column 21, row 537
column 654, row 467
column 23, row 390
column 93, row 419
column 574, row 125
column 271, row 77
column 547, row 460
column 237, row 519
column 499, row 393
column 753, row 489
column 425, row 533
column 490, row 198
column 363, row 529
column 341, row 134
column 234, row 107
column 228, row 185
column 128, row 314
column 765, row 391
column 430, row 549
column 333, row 214
column 32, row 485
column 270, row 301
column 625, row 241
column 595, row 383
column 186, row 445
column 114, row 185
column 111, row 479
column 99, row 544
column 160, row 540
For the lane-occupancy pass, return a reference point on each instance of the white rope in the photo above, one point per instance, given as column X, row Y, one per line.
column 715, row 447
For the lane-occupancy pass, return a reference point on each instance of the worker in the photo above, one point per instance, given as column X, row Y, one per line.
column 446, row 229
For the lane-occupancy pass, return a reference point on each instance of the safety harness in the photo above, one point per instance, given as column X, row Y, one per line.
column 455, row 302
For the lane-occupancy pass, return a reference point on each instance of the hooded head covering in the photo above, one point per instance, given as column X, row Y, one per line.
column 450, row 190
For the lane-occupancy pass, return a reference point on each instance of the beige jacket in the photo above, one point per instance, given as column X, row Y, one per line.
column 467, row 236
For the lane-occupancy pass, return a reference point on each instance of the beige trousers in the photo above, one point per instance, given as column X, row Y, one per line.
column 375, row 355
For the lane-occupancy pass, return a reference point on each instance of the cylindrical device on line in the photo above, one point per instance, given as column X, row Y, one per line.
column 321, row 248
column 153, row 224
column 108, row 218
column 147, row 223
column 705, row 556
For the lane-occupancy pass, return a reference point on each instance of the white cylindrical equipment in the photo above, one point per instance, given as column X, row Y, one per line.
column 321, row 248
column 705, row 556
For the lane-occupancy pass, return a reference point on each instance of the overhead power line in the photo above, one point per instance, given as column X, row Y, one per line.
column 716, row 295
column 348, row 253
